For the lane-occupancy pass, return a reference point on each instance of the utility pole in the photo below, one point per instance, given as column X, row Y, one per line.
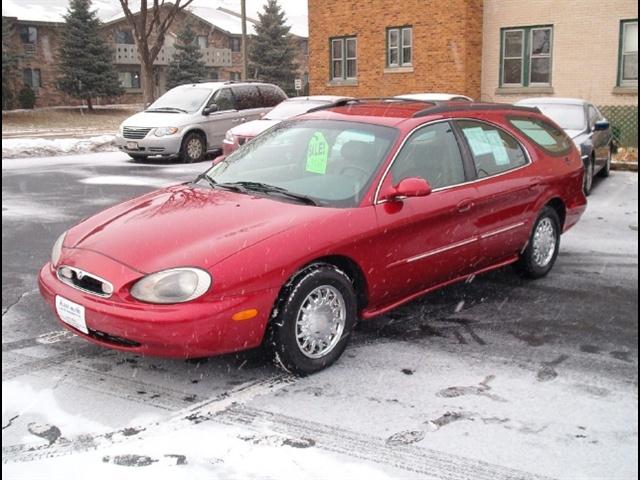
column 245, row 60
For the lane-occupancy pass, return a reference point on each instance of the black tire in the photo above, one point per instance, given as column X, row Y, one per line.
column 588, row 177
column 527, row 265
column 188, row 152
column 606, row 170
column 281, row 338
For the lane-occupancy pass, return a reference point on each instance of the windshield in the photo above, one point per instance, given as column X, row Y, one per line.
column 331, row 162
column 293, row 108
column 182, row 99
column 569, row 117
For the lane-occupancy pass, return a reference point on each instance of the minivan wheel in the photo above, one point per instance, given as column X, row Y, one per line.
column 193, row 148
column 540, row 255
column 313, row 320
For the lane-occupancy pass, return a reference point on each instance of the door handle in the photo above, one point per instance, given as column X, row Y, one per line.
column 535, row 183
column 465, row 206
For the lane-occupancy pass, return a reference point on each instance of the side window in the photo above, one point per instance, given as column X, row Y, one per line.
column 224, row 99
column 248, row 97
column 494, row 151
column 431, row 153
column 271, row 96
column 543, row 134
column 594, row 116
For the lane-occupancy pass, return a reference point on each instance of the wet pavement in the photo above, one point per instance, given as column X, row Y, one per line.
column 497, row 378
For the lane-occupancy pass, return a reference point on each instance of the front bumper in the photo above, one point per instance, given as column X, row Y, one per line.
column 151, row 146
column 195, row 329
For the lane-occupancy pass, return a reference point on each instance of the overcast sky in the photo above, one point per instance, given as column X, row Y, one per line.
column 53, row 10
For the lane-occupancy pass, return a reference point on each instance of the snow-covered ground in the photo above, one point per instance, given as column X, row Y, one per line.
column 43, row 147
column 497, row 379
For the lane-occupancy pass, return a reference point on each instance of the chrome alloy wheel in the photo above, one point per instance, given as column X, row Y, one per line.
column 194, row 148
column 320, row 321
column 544, row 243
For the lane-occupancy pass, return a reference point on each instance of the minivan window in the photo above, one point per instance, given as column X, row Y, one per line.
column 271, row 96
column 494, row 151
column 431, row 153
column 545, row 135
column 247, row 97
column 224, row 100
column 181, row 99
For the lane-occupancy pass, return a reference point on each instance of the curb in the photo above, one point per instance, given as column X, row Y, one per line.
column 625, row 166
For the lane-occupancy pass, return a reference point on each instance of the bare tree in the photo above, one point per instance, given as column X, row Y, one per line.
column 150, row 26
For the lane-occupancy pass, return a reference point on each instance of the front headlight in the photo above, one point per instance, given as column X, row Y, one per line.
column 121, row 129
column 230, row 137
column 56, row 251
column 164, row 131
column 177, row 285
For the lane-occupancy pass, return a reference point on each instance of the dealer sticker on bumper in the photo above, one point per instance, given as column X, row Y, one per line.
column 71, row 313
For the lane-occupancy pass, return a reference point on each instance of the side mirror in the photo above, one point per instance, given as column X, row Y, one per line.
column 219, row 159
column 408, row 188
column 210, row 109
column 601, row 125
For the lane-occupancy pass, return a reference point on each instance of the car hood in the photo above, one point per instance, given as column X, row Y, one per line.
column 253, row 129
column 159, row 119
column 186, row 225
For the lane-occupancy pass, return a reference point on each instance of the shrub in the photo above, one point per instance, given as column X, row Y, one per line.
column 27, row 97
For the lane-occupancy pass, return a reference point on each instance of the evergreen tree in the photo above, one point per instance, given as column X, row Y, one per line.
column 186, row 66
column 9, row 62
column 85, row 59
column 272, row 53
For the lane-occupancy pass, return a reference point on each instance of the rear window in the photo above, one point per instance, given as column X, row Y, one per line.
column 546, row 136
column 271, row 95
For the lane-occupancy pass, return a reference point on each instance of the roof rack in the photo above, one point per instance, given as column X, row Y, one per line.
column 444, row 107
column 231, row 82
column 356, row 101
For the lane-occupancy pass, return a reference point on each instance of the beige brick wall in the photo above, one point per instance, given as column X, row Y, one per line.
column 585, row 49
column 446, row 45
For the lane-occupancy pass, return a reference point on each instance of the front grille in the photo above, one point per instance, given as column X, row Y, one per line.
column 84, row 281
column 135, row 133
column 112, row 339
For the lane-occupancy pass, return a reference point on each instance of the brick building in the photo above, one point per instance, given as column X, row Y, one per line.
column 386, row 47
column 568, row 48
column 219, row 35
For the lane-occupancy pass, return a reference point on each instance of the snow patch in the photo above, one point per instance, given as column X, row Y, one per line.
column 125, row 180
column 40, row 147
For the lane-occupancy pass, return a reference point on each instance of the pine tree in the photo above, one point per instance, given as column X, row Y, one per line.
column 85, row 59
column 186, row 66
column 272, row 53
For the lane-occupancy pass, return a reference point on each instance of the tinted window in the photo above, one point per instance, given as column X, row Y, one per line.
column 431, row 153
column 224, row 99
column 545, row 135
column 493, row 150
column 247, row 97
column 271, row 96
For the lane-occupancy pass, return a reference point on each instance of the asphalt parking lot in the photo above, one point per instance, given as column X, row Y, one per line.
column 497, row 378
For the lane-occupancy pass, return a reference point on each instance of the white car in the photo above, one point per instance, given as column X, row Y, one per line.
column 436, row 97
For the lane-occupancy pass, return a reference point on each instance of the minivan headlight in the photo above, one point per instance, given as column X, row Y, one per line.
column 177, row 285
column 230, row 137
column 56, row 251
column 164, row 131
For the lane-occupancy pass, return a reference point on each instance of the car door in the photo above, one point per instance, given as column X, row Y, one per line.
column 506, row 192
column 219, row 122
column 428, row 240
column 249, row 103
column 599, row 138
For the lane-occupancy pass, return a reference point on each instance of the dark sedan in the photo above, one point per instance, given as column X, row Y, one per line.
column 588, row 128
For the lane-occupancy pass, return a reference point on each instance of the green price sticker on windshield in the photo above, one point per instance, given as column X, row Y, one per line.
column 318, row 154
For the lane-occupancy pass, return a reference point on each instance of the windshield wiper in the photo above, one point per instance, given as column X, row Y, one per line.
column 204, row 176
column 168, row 109
column 268, row 189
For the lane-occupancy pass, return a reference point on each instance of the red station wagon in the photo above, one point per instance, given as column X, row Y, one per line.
column 339, row 215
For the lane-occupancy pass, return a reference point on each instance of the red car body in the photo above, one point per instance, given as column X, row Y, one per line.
column 252, row 245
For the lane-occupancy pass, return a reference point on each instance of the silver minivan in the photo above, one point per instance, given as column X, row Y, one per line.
column 190, row 120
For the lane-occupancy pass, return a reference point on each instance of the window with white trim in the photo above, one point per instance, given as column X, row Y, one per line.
column 526, row 56
column 344, row 58
column 399, row 47
column 628, row 61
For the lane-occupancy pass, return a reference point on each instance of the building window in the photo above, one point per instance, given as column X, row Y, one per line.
column 234, row 76
column 628, row 61
column 125, row 37
column 32, row 77
column 344, row 58
column 203, row 41
column 526, row 56
column 399, row 47
column 235, row 44
column 28, row 34
column 130, row 80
